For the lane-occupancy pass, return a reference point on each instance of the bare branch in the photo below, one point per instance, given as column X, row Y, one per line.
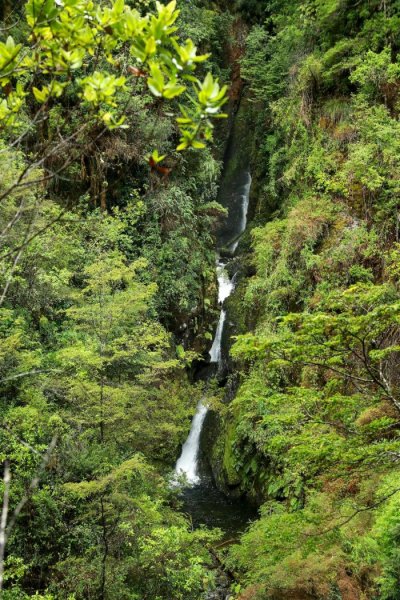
column 354, row 514
column 4, row 517
column 32, row 486
column 27, row 373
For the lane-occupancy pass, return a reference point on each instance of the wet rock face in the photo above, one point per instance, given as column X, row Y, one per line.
column 215, row 438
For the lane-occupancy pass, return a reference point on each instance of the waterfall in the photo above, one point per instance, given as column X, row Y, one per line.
column 244, row 205
column 187, row 463
column 216, row 350
column 225, row 287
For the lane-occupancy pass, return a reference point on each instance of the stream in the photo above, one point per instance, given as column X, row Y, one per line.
column 201, row 500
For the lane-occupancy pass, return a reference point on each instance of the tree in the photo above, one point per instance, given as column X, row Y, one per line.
column 81, row 53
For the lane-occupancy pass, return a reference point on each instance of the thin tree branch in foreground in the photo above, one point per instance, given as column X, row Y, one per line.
column 6, row 527
column 4, row 517
column 354, row 514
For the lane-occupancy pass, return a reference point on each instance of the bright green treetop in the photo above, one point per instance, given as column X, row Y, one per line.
column 71, row 48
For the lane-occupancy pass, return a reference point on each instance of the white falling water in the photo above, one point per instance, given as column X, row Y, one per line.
column 225, row 287
column 244, row 208
column 216, row 350
column 187, row 463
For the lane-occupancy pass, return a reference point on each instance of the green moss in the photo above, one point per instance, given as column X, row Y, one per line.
column 230, row 472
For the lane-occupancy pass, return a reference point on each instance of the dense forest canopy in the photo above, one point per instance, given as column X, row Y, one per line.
column 112, row 140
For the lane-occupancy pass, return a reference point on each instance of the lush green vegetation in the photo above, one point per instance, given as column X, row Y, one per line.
column 313, row 432
column 108, row 214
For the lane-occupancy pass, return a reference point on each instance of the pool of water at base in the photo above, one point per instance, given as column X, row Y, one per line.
column 206, row 505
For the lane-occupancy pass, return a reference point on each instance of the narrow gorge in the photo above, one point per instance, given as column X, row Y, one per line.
column 203, row 501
